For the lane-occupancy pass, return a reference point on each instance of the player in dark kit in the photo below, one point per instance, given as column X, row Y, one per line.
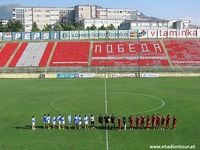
column 158, row 121
column 131, row 120
column 137, row 122
column 106, row 118
column 142, row 122
column 100, row 119
column 174, row 122
column 124, row 122
column 105, row 121
column 153, row 121
column 148, row 122
column 92, row 122
column 119, row 123
column 168, row 121
column 163, row 122
column 112, row 121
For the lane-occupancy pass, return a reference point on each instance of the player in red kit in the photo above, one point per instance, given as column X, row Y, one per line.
column 142, row 122
column 163, row 122
column 148, row 122
column 119, row 123
column 153, row 121
column 174, row 122
column 168, row 121
column 137, row 122
column 158, row 121
column 131, row 120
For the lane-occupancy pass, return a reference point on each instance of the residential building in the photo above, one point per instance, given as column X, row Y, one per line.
column 101, row 22
column 3, row 21
column 154, row 24
column 43, row 16
column 89, row 15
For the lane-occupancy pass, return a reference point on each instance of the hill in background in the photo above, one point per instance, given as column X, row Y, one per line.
column 6, row 10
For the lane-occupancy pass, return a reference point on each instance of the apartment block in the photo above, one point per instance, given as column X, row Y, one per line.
column 43, row 16
column 89, row 15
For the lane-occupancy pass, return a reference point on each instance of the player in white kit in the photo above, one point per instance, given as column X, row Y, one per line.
column 59, row 119
column 54, row 122
column 33, row 123
column 86, row 122
column 44, row 119
column 48, row 119
column 79, row 122
column 69, row 121
column 76, row 121
column 63, row 122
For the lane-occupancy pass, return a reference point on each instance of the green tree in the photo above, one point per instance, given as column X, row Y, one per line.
column 35, row 27
column 102, row 28
column 71, row 27
column 78, row 26
column 14, row 26
column 67, row 26
column 110, row 27
column 2, row 28
column 64, row 26
column 57, row 27
column 47, row 27
column 19, row 27
column 93, row 27
column 88, row 28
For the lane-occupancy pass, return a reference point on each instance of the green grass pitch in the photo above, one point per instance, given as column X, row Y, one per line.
column 20, row 99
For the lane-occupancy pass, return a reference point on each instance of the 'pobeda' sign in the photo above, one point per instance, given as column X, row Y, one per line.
column 99, row 34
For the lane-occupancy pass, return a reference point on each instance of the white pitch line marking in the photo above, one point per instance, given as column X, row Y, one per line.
column 52, row 103
column 145, row 95
column 105, row 98
column 57, row 108
column 106, row 110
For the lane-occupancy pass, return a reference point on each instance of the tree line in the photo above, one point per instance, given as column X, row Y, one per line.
column 17, row 26
column 12, row 26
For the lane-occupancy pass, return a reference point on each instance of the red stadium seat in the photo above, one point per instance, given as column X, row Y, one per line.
column 71, row 54
column 18, row 55
column 183, row 52
column 7, row 52
column 146, row 53
column 46, row 55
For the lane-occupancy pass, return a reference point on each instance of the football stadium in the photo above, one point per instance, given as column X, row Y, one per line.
column 100, row 89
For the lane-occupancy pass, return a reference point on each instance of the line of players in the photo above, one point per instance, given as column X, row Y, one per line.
column 108, row 122
column 51, row 123
column 157, row 122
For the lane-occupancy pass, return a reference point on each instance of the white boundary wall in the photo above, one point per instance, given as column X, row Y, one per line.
column 100, row 75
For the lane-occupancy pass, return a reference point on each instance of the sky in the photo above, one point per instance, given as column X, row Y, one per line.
column 164, row 9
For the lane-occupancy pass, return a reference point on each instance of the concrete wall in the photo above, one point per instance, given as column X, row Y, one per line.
column 100, row 75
